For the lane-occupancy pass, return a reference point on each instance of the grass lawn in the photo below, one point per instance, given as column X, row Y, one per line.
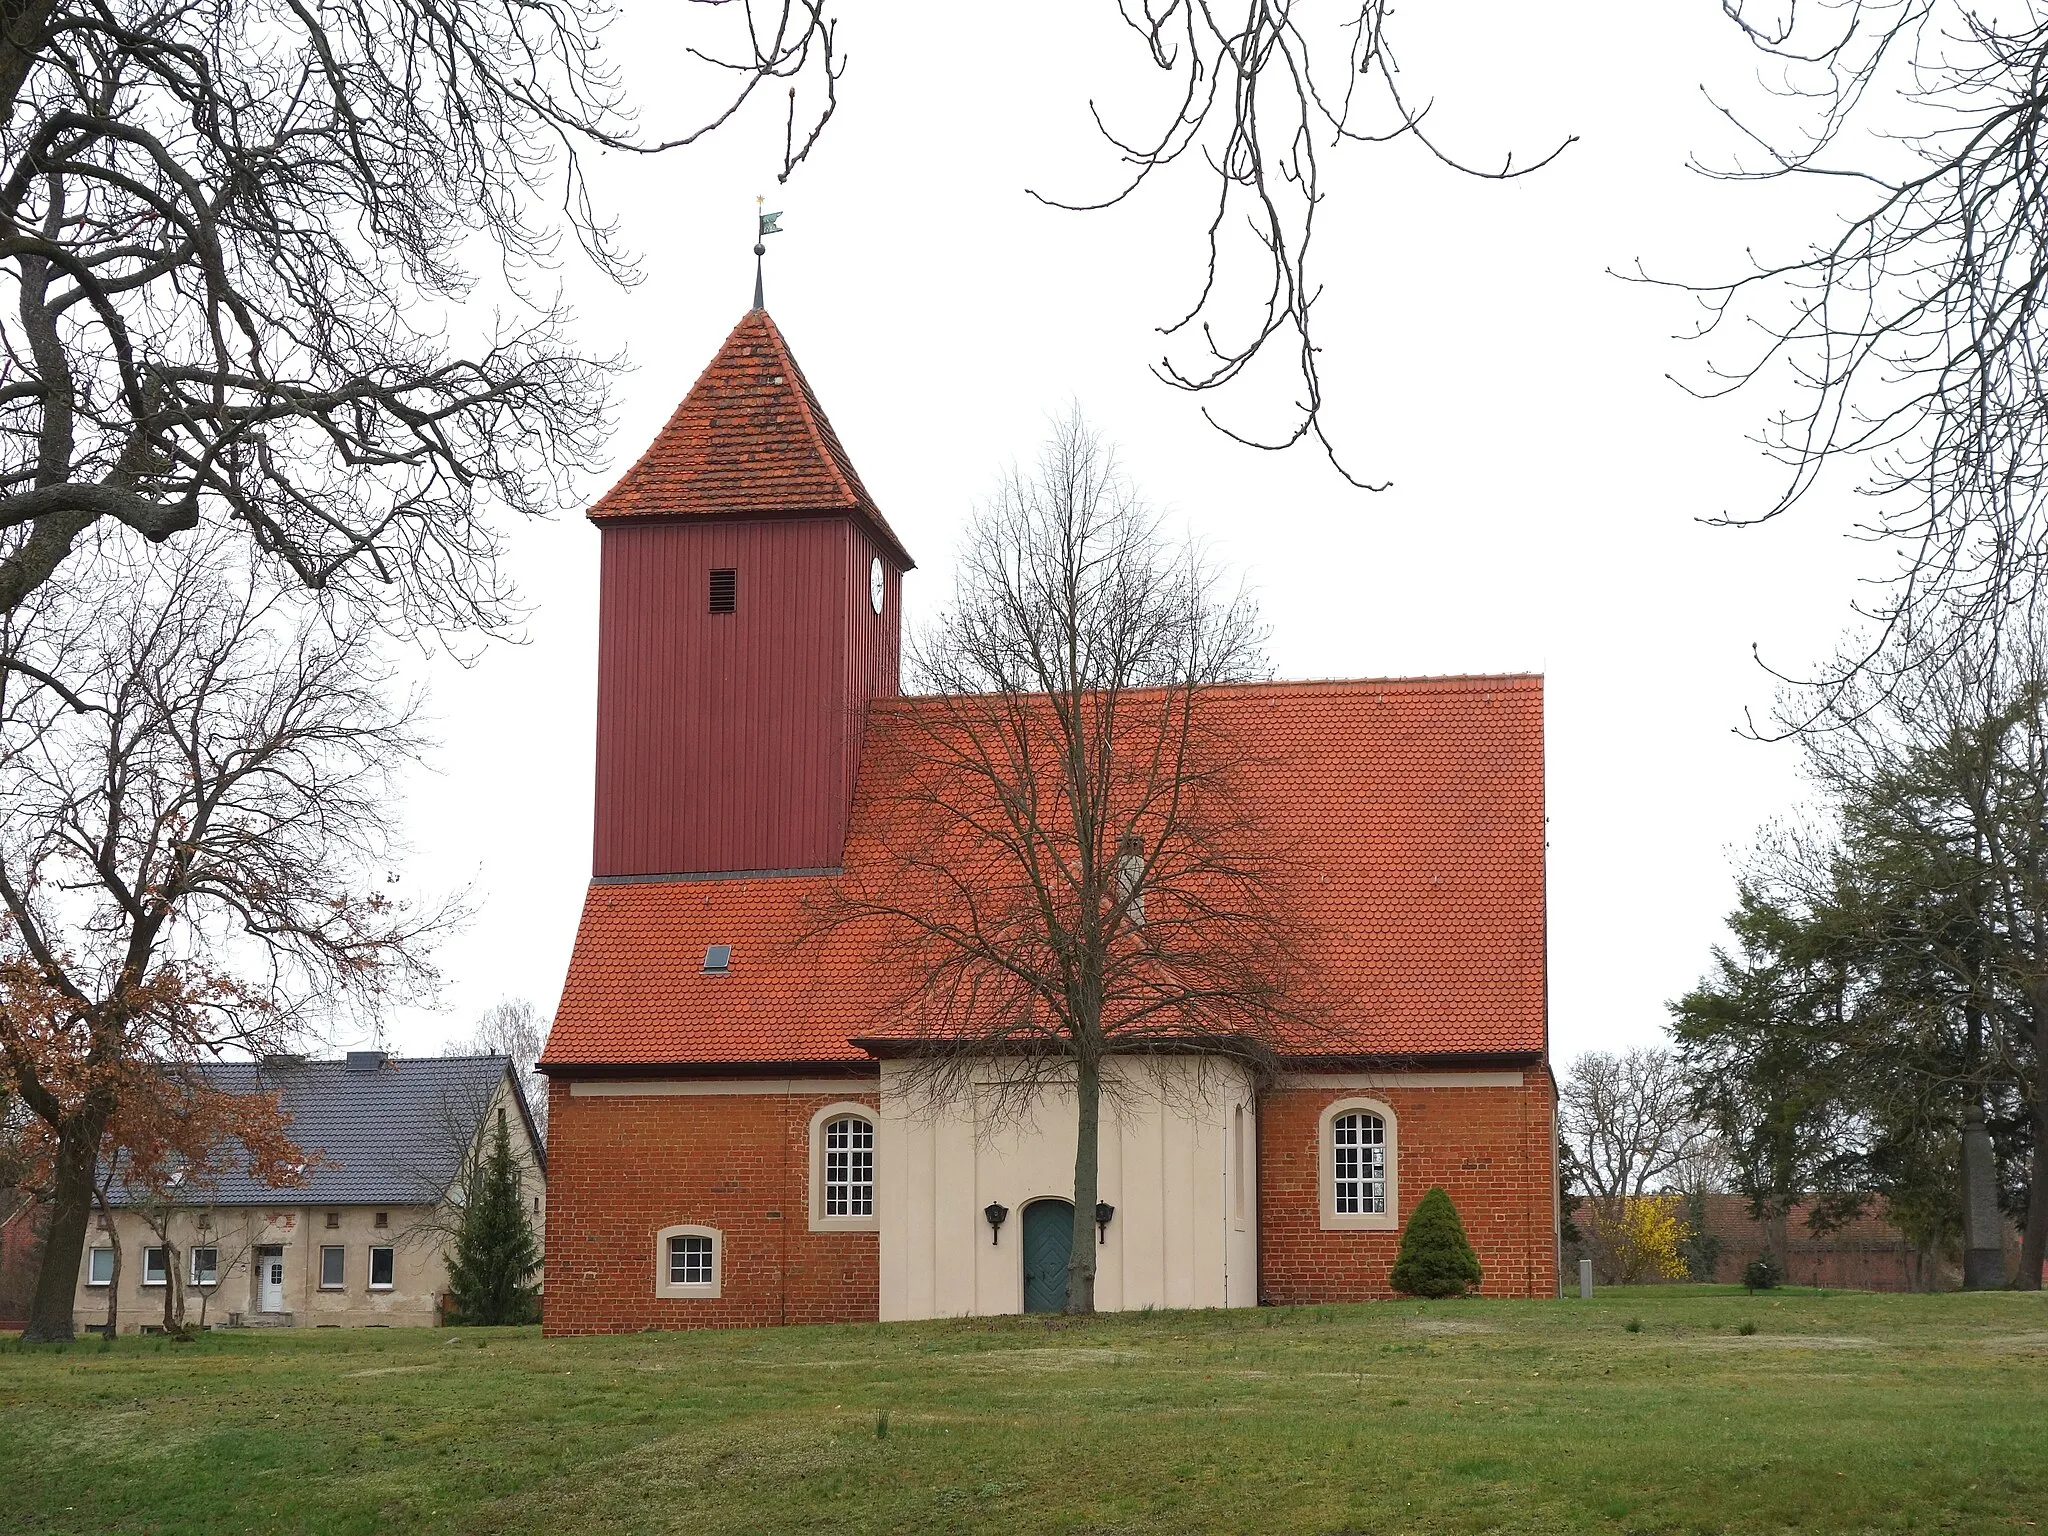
column 1840, row 1412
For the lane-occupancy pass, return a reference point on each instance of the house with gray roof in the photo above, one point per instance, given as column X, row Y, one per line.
column 361, row 1241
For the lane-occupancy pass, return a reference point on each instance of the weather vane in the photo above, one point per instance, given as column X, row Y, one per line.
column 767, row 227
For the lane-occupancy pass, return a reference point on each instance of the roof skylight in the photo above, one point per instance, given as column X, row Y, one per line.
column 717, row 958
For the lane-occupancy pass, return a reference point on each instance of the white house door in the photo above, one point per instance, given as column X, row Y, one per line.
column 270, row 1281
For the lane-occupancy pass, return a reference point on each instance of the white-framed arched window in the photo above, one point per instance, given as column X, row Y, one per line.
column 842, row 1166
column 1359, row 1157
column 689, row 1262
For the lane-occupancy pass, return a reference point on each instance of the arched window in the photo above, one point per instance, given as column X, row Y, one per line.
column 1359, row 1166
column 843, row 1169
column 850, row 1166
column 1359, row 1141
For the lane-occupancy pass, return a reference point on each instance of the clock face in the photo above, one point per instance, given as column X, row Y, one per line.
column 877, row 586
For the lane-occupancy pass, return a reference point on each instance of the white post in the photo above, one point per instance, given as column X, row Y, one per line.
column 1585, row 1279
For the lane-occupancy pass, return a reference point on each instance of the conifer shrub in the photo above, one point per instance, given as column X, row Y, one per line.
column 495, row 1254
column 1761, row 1274
column 1436, row 1258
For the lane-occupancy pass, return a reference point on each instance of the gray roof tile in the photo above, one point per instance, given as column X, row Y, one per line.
column 390, row 1133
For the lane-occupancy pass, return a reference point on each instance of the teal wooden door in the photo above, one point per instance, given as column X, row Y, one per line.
column 1048, row 1244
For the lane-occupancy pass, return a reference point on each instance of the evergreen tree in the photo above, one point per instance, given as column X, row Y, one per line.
column 1436, row 1258
column 495, row 1252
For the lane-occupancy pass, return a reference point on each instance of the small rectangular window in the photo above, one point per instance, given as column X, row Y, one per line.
column 333, row 1220
column 380, row 1269
column 155, row 1271
column 332, row 1267
column 205, row 1266
column 717, row 957
column 725, row 591
column 382, row 1221
column 689, row 1261
column 99, row 1266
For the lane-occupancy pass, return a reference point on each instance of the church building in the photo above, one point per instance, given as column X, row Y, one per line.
column 731, row 1139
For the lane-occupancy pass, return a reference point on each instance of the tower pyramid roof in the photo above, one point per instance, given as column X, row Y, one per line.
column 749, row 441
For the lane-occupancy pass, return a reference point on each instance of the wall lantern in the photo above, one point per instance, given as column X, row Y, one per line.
column 1103, row 1211
column 995, row 1212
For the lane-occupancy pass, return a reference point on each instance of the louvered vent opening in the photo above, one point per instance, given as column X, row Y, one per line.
column 725, row 591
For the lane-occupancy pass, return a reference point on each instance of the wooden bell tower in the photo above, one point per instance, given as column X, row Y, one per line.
column 749, row 607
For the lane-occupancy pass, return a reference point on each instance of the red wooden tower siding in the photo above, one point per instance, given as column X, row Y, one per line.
column 729, row 706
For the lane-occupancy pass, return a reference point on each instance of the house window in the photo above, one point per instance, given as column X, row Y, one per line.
column 205, row 1266
column 383, row 1220
column 850, row 1166
column 99, row 1266
column 843, row 1168
column 725, row 591
column 1360, row 1142
column 333, row 1267
column 380, row 1269
column 333, row 1221
column 687, row 1262
column 1359, row 1166
column 155, row 1270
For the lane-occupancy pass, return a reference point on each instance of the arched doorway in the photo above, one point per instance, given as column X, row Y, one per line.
column 1048, row 1244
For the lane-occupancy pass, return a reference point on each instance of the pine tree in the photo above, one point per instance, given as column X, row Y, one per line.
column 495, row 1251
column 1435, row 1259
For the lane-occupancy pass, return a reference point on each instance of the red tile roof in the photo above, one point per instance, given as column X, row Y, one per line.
column 749, row 440
column 1415, row 807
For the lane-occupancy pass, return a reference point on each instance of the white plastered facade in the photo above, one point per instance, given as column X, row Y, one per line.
column 1177, row 1162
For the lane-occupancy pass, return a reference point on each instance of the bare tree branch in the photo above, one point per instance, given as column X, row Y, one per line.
column 1260, row 92
column 1914, row 336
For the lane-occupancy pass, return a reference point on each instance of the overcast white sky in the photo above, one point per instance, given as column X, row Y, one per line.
column 1548, row 480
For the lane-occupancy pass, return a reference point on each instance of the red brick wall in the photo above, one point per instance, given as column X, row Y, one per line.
column 621, row 1169
column 1492, row 1150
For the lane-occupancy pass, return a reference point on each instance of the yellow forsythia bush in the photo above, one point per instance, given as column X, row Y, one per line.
column 1645, row 1238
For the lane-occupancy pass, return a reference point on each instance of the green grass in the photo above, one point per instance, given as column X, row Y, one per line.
column 1841, row 1412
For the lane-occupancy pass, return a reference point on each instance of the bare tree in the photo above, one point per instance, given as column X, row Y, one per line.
column 1068, row 875
column 1915, row 332
column 1629, row 1121
column 514, row 1027
column 1631, row 1128
column 194, row 864
column 237, row 233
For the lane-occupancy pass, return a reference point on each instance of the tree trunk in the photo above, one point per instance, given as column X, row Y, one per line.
column 1778, row 1235
column 50, row 1313
column 2034, row 1245
column 174, row 1305
column 1087, row 1167
column 114, row 1241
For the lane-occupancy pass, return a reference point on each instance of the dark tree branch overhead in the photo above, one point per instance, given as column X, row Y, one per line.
column 1914, row 337
column 235, row 240
column 1261, row 91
